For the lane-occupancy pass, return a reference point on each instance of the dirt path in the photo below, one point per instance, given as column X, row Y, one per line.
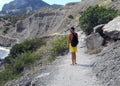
column 64, row 74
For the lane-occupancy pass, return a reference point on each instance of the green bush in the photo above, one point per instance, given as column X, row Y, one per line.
column 14, row 69
column 94, row 16
column 21, row 56
column 58, row 48
column 6, row 76
column 27, row 45
column 24, row 60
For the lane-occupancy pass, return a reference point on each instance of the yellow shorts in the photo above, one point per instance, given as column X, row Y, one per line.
column 72, row 49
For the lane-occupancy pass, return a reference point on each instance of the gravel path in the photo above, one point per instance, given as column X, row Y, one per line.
column 61, row 73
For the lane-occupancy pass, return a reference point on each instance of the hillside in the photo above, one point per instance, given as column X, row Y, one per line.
column 43, row 22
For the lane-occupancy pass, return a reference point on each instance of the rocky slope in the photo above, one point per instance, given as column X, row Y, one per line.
column 107, row 65
column 45, row 21
column 37, row 24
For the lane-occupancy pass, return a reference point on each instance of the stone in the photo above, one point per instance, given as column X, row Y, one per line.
column 94, row 41
column 112, row 29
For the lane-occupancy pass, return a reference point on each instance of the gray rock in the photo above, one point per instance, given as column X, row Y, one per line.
column 94, row 41
column 112, row 29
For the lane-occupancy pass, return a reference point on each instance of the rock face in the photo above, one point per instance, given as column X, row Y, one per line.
column 107, row 65
column 94, row 41
column 7, row 42
column 38, row 24
column 112, row 29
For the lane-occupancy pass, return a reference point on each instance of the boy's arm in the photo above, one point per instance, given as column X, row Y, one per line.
column 68, row 41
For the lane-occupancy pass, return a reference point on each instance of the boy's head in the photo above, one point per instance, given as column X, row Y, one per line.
column 72, row 29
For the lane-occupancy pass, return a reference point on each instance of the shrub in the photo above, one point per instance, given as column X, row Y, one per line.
column 6, row 76
column 58, row 48
column 14, row 69
column 24, row 60
column 27, row 45
column 94, row 16
column 21, row 56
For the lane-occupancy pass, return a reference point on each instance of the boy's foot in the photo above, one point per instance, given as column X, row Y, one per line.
column 71, row 64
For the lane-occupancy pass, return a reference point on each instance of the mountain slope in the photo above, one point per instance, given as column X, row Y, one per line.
column 21, row 6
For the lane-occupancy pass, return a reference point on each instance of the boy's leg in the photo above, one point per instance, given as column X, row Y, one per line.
column 75, row 59
column 72, row 58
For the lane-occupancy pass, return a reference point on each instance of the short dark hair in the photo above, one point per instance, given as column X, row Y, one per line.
column 72, row 28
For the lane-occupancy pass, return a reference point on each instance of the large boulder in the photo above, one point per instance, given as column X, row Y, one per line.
column 112, row 29
column 94, row 41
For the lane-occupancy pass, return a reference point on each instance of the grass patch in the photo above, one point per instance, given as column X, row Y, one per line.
column 58, row 48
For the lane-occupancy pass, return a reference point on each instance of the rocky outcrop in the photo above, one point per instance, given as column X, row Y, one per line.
column 7, row 42
column 112, row 29
column 94, row 41
column 107, row 65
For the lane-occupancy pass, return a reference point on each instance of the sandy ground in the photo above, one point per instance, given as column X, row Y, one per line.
column 61, row 73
